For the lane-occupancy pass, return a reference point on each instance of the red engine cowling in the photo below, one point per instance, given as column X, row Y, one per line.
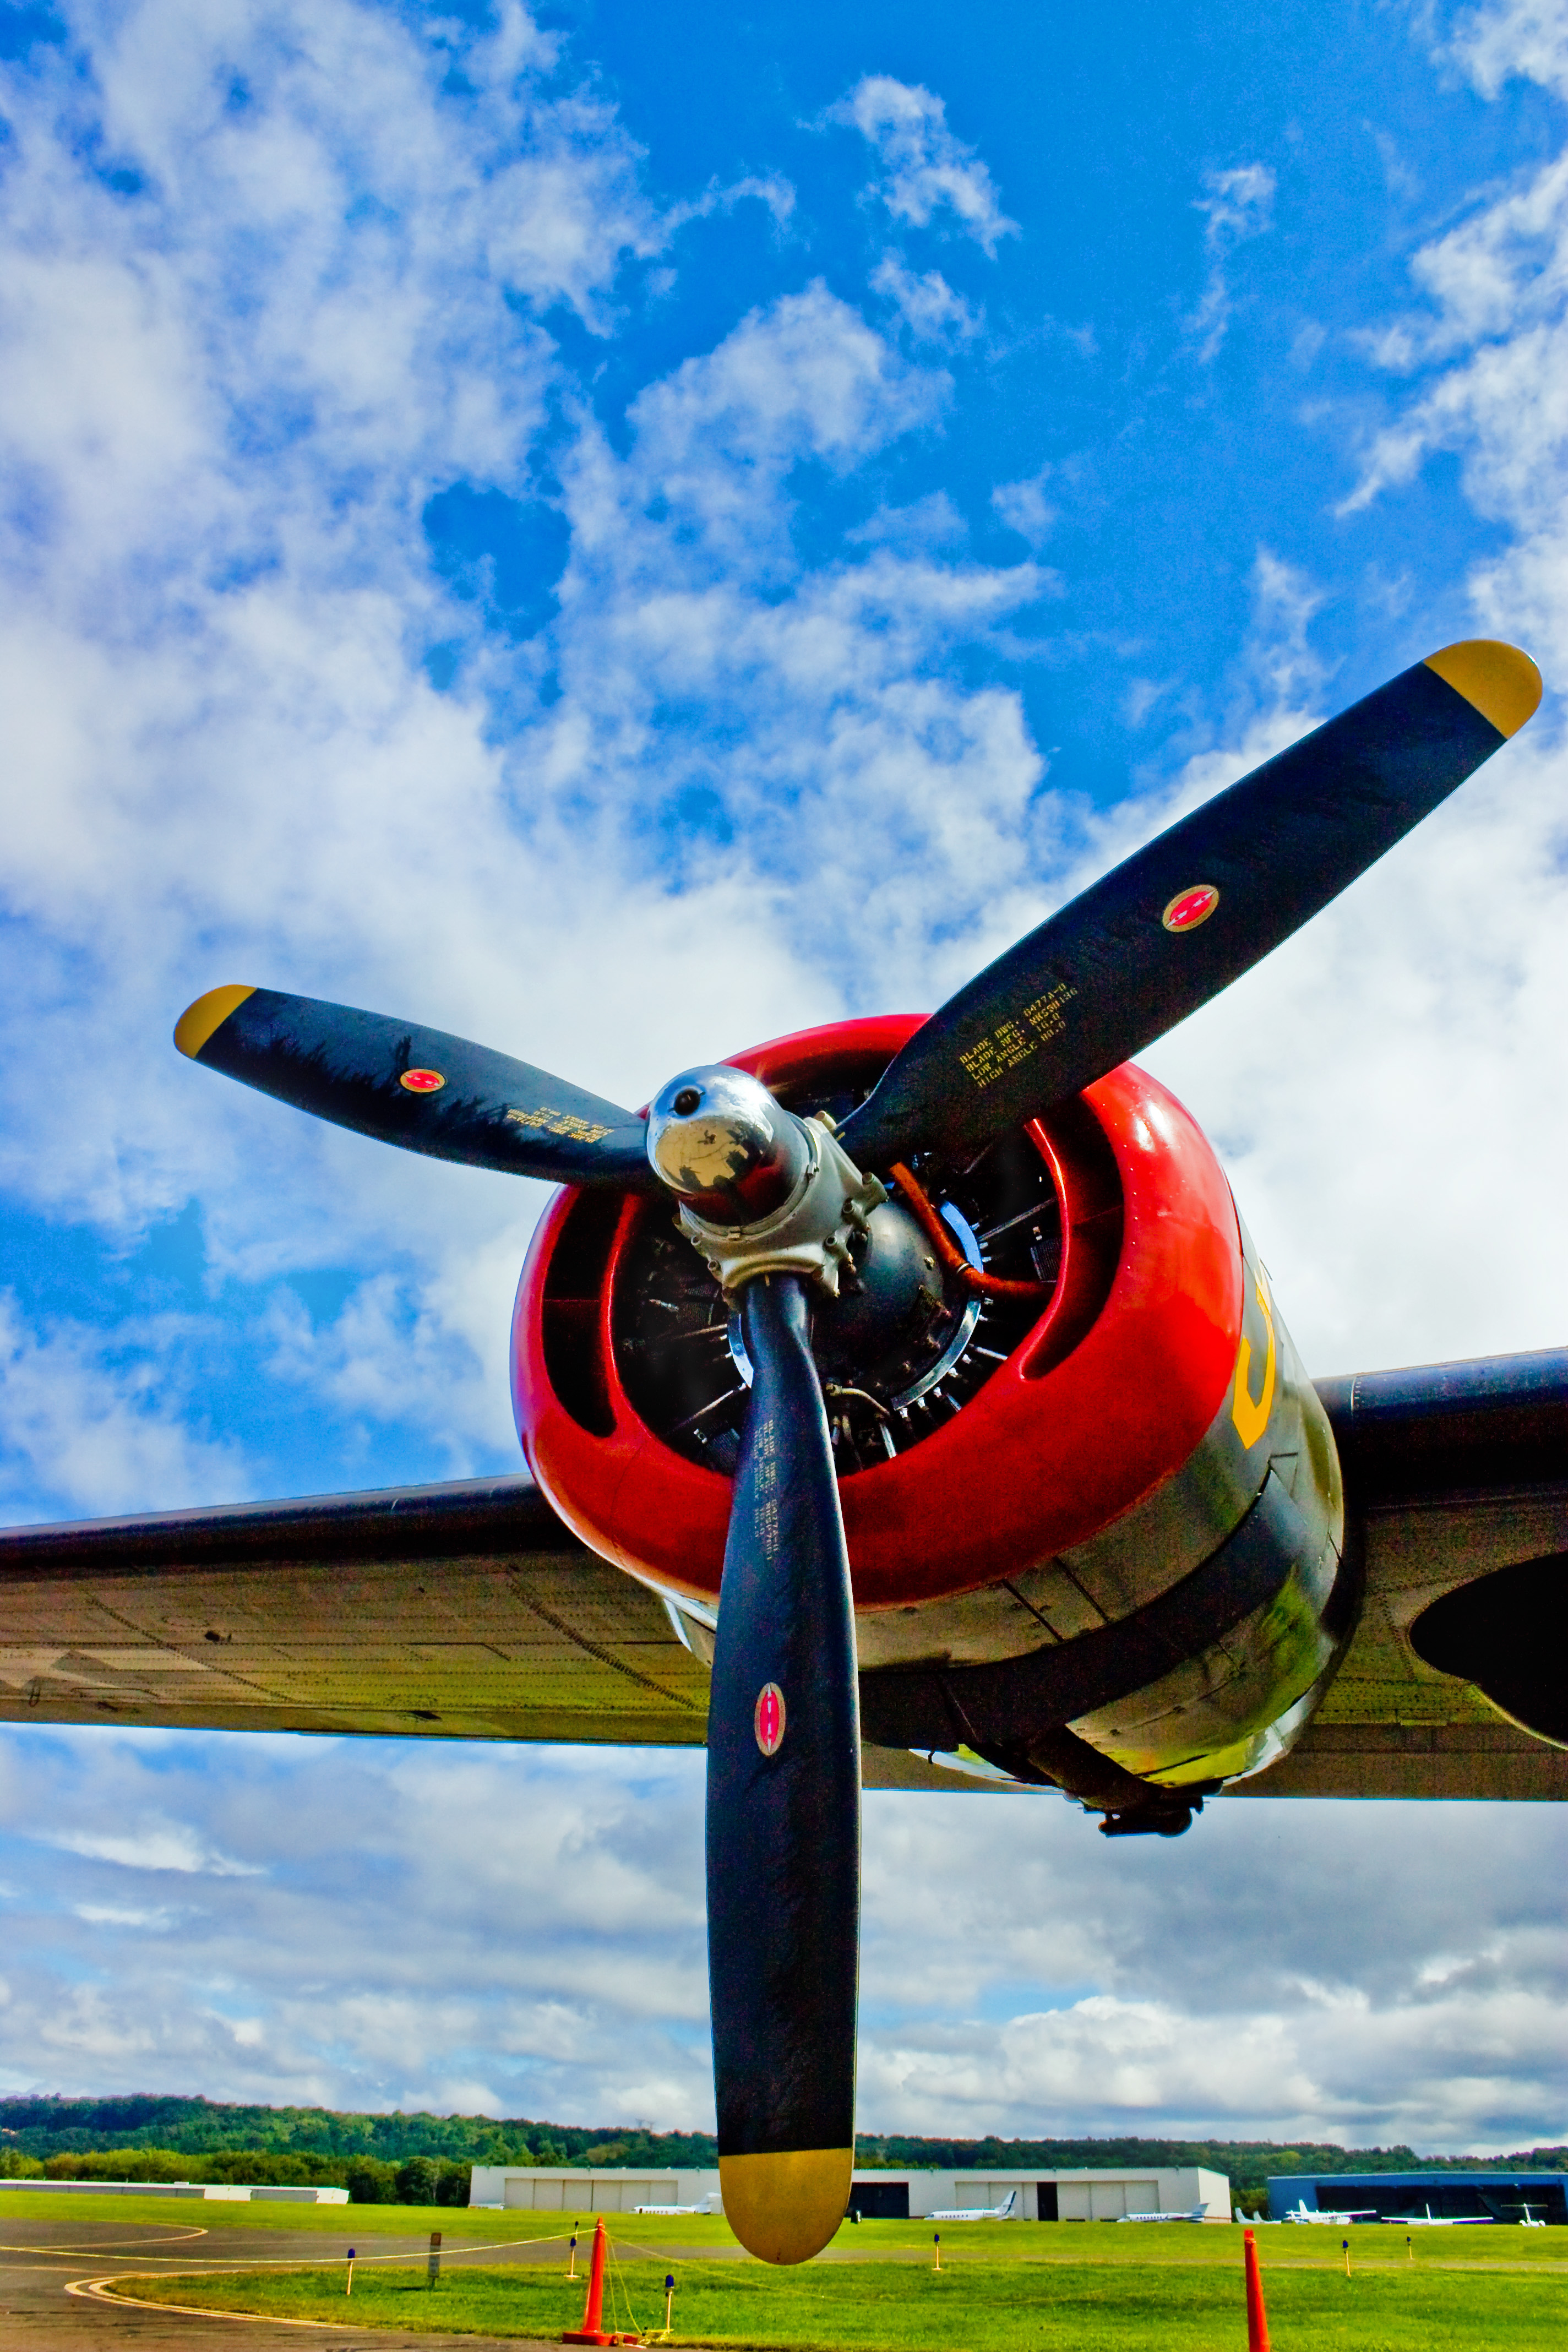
column 1101, row 1399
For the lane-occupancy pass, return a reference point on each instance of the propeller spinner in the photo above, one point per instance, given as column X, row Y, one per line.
column 782, row 1210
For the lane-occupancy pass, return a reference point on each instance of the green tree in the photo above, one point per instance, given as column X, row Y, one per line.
column 453, row 2185
column 369, row 2181
column 418, row 2181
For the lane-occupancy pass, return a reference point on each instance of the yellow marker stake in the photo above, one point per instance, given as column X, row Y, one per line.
column 350, row 2288
column 573, row 2272
column 936, row 2240
column 668, row 2299
column 1346, row 2243
column 1409, row 2249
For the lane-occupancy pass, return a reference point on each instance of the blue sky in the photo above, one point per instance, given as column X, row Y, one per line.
column 622, row 532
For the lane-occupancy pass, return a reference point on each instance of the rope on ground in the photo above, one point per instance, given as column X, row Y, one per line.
column 631, row 2327
column 229, row 2262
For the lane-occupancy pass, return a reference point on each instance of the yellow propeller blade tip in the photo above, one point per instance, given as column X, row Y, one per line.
column 198, row 1021
column 1503, row 684
column 784, row 2208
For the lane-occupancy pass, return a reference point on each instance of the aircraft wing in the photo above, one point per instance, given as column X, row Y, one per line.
column 458, row 1611
column 466, row 1610
column 1456, row 1677
column 463, row 1611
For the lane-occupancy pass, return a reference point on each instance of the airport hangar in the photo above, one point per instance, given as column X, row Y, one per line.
column 880, row 2196
column 1449, row 2196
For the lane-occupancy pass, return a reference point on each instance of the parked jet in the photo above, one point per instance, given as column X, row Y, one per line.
column 1198, row 2214
column 1305, row 2212
column 1003, row 2213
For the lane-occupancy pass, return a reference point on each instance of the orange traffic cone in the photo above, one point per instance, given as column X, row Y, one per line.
column 1257, row 2317
column 591, row 2331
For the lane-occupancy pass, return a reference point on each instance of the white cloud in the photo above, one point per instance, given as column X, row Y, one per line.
column 111, row 1915
column 1284, row 668
column 1456, row 941
column 1527, row 37
column 807, row 377
column 1237, row 204
column 770, row 189
column 1493, row 336
column 93, row 1421
column 406, row 1926
column 159, row 1845
column 1024, row 507
column 927, row 305
column 926, row 168
column 932, row 521
column 214, row 620
column 519, row 1932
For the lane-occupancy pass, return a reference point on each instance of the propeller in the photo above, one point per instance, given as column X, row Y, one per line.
column 1179, row 920
column 783, row 1808
column 773, row 1203
column 417, row 1087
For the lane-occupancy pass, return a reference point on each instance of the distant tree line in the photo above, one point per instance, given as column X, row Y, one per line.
column 41, row 2128
column 369, row 2179
column 426, row 2159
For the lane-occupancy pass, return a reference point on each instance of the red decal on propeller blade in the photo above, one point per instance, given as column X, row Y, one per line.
column 1191, row 907
column 768, row 1721
column 422, row 1082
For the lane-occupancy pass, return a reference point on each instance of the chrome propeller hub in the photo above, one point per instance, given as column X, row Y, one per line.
column 717, row 1137
column 761, row 1191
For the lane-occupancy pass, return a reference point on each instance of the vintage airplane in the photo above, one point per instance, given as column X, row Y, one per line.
column 1303, row 2212
column 936, row 1351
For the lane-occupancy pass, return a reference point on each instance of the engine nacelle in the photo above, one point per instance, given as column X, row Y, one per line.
column 1119, row 1497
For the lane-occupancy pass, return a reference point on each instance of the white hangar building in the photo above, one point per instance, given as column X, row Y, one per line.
column 877, row 2196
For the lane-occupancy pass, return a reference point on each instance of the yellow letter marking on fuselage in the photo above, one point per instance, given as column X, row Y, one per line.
column 1251, row 1420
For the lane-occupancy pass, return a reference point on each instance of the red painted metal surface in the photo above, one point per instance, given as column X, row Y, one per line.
column 1106, row 1398
column 768, row 1718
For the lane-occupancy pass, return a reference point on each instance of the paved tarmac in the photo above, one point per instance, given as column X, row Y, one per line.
column 52, row 2298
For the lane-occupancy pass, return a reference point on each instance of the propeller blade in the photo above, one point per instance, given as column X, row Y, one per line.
column 1149, row 942
column 417, row 1087
column 783, row 1809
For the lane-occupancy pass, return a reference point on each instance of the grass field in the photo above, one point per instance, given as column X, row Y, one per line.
column 348, row 2222
column 1092, row 2289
